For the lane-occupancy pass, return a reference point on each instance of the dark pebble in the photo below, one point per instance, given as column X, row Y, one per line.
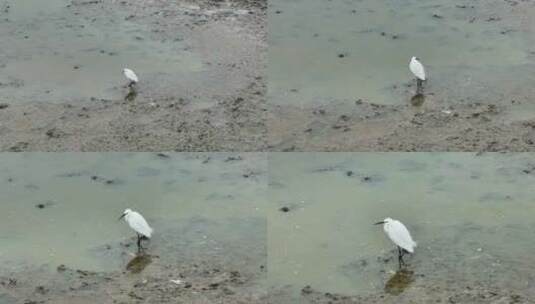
column 306, row 290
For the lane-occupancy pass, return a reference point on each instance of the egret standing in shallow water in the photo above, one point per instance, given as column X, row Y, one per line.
column 137, row 222
column 130, row 75
column 399, row 234
column 417, row 68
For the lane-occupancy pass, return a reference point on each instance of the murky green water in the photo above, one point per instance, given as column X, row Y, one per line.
column 198, row 205
column 324, row 51
column 54, row 51
column 472, row 216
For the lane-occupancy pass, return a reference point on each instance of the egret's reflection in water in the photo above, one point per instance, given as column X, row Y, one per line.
column 399, row 281
column 138, row 263
column 418, row 100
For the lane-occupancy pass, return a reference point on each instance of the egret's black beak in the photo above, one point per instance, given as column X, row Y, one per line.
column 121, row 216
column 379, row 223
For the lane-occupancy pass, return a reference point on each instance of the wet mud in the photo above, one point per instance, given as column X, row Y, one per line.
column 145, row 279
column 217, row 103
column 362, row 126
column 448, row 292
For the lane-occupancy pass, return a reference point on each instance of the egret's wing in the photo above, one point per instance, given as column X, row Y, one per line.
column 130, row 75
column 399, row 234
column 417, row 69
column 139, row 224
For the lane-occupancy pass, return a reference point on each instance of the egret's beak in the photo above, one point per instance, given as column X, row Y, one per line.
column 121, row 216
column 379, row 223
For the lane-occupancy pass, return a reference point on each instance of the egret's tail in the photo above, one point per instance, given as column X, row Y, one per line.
column 149, row 233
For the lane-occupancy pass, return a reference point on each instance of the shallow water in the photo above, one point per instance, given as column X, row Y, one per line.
column 360, row 49
column 50, row 51
column 62, row 208
column 472, row 216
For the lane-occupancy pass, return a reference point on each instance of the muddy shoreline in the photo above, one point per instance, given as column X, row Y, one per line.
column 190, row 281
column 468, row 105
column 368, row 127
column 219, row 109
column 194, row 256
column 176, row 265
column 423, row 293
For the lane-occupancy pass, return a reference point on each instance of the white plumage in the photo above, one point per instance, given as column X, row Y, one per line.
column 138, row 223
column 417, row 68
column 128, row 73
column 399, row 234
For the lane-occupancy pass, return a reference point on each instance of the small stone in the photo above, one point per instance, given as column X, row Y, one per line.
column 284, row 209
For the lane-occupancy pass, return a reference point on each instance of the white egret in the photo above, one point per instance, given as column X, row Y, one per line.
column 417, row 68
column 137, row 222
column 130, row 75
column 399, row 235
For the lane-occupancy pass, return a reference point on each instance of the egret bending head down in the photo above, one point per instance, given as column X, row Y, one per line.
column 138, row 223
column 130, row 75
column 399, row 235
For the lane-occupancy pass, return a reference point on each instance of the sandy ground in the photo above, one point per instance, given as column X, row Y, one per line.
column 168, row 118
column 424, row 293
column 145, row 280
column 363, row 126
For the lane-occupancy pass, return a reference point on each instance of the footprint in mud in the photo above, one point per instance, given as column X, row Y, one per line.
column 399, row 282
column 138, row 263
column 418, row 100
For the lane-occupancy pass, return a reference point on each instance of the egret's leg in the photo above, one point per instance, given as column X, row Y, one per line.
column 400, row 257
column 419, row 87
column 139, row 247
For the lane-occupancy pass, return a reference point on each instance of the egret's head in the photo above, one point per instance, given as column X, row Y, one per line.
column 414, row 58
column 125, row 212
column 385, row 221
